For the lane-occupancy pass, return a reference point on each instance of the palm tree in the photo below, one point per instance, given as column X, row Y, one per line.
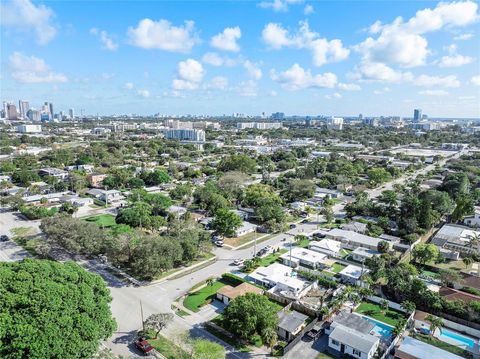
column 435, row 323
column 408, row 306
column 384, row 305
column 467, row 261
column 474, row 242
column 269, row 336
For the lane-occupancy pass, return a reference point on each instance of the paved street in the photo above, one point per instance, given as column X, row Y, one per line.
column 155, row 298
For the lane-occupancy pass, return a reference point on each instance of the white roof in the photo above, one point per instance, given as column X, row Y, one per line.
column 278, row 273
column 365, row 252
column 353, row 271
column 329, row 245
column 353, row 237
column 304, row 254
column 246, row 226
column 419, row 349
column 354, row 339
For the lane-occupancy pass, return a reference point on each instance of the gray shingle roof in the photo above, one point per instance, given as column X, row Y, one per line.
column 354, row 339
column 290, row 321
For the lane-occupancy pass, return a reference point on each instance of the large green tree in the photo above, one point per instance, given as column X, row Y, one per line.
column 52, row 310
column 251, row 314
column 226, row 222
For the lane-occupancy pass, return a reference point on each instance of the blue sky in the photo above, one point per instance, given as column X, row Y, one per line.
column 298, row 57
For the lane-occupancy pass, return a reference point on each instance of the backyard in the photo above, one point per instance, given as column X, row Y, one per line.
column 271, row 258
column 442, row 345
column 373, row 310
column 108, row 221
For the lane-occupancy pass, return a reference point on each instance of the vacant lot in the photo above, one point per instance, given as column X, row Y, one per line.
column 108, row 222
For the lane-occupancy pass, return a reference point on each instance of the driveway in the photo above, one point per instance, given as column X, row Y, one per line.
column 308, row 350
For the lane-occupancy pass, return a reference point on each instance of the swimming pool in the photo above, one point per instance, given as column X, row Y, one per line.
column 383, row 329
column 462, row 341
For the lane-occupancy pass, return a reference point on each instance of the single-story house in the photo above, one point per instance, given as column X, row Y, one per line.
column 53, row 172
column 347, row 340
column 228, row 293
column 455, row 240
column 290, row 324
column 473, row 220
column 352, row 240
column 354, row 226
column 411, row 348
column 245, row 228
column 361, row 254
column 352, row 274
column 77, row 201
column 328, row 246
column 302, row 257
column 280, row 279
column 49, row 197
column 323, row 192
column 106, row 196
column 453, row 294
column 177, row 210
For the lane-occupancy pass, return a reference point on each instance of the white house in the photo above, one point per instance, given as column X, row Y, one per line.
column 473, row 220
column 352, row 240
column 302, row 257
column 352, row 274
column 327, row 246
column 349, row 341
column 245, row 228
column 351, row 334
column 361, row 254
column 280, row 279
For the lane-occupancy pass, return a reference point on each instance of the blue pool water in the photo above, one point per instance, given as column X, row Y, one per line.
column 381, row 328
column 463, row 341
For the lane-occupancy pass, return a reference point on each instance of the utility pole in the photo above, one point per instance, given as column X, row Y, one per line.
column 255, row 242
column 141, row 313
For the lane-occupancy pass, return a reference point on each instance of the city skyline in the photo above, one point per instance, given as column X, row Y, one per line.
column 296, row 57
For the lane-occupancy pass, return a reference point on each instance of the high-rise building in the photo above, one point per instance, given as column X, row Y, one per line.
column 71, row 113
column 23, row 108
column 11, row 112
column 278, row 116
column 417, row 115
column 335, row 123
column 186, row 135
column 34, row 115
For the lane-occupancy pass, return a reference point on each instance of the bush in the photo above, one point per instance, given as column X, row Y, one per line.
column 471, row 290
column 324, row 282
column 34, row 212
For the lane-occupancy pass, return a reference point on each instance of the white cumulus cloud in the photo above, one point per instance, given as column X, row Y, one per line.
column 26, row 16
column 190, row 74
column 463, row 37
column 143, row 93
column 163, row 35
column 31, row 69
column 278, row 5
column 349, row 87
column 105, row 39
column 227, row 40
column 475, row 80
column 401, row 42
column 296, row 78
column 377, row 71
column 218, row 83
column 323, row 51
column 253, row 70
column 433, row 93
column 213, row 59
column 308, row 10
column 437, row 81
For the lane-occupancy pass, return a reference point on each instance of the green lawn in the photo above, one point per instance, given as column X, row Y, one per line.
column 232, row 341
column 194, row 301
column 442, row 345
column 108, row 221
column 374, row 310
column 303, row 243
column 168, row 349
column 271, row 258
column 345, row 252
column 337, row 267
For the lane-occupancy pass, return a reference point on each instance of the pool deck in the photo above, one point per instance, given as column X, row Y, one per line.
column 448, row 340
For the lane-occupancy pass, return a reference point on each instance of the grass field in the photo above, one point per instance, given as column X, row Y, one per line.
column 375, row 311
column 108, row 221
column 168, row 349
column 271, row 258
column 238, row 241
column 324, row 356
column 194, row 301
column 337, row 267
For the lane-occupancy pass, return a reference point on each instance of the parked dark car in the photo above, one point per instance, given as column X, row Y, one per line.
column 4, row 238
column 318, row 235
column 143, row 345
column 314, row 333
column 292, row 226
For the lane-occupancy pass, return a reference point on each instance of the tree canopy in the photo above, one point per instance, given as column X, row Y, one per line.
column 52, row 310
